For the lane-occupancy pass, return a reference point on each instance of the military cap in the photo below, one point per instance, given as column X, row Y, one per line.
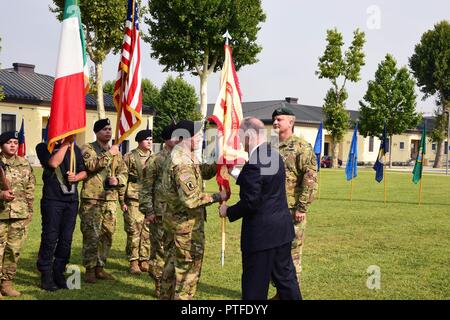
column 192, row 127
column 100, row 124
column 143, row 134
column 8, row 135
column 166, row 133
column 283, row 111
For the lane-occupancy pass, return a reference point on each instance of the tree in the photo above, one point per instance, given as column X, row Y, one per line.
column 177, row 101
column 103, row 21
column 150, row 93
column 430, row 64
column 333, row 66
column 390, row 97
column 186, row 36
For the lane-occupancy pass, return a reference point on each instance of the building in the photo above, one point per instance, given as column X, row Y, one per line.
column 28, row 95
column 308, row 119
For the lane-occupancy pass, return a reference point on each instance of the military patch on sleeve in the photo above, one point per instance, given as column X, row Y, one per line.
column 190, row 185
column 86, row 156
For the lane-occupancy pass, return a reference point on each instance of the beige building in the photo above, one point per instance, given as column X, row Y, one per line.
column 308, row 119
column 28, row 96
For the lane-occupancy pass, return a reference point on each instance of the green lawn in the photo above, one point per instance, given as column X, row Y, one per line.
column 410, row 244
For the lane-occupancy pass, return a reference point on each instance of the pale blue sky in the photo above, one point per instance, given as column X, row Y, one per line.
column 293, row 37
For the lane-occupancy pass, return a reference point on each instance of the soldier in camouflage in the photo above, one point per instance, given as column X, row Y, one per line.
column 301, row 177
column 107, row 177
column 184, row 226
column 138, row 237
column 17, row 184
column 154, row 208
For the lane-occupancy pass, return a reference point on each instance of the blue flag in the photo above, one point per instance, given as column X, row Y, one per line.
column 351, row 169
column 318, row 146
column 379, row 164
column 22, row 151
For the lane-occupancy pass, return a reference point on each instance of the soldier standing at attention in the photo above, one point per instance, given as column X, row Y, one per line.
column 301, row 178
column 138, row 237
column 107, row 174
column 59, row 208
column 151, row 203
column 16, row 208
column 184, row 227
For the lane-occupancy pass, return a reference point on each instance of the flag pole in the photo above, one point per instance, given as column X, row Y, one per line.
column 72, row 157
column 222, row 251
column 385, row 178
column 351, row 189
column 420, row 191
column 318, row 184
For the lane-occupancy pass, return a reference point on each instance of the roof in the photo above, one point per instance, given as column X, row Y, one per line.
column 304, row 114
column 22, row 84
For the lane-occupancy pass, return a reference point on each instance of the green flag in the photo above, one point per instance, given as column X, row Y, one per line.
column 417, row 172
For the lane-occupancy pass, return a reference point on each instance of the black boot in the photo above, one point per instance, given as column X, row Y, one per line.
column 47, row 282
column 60, row 280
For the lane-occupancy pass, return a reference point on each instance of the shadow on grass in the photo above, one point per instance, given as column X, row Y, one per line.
column 381, row 202
column 124, row 286
column 218, row 291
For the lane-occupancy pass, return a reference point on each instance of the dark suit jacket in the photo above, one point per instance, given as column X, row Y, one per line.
column 267, row 222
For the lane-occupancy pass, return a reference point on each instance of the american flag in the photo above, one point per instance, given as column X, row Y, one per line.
column 127, row 90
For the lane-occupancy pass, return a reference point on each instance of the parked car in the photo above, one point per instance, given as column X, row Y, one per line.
column 327, row 162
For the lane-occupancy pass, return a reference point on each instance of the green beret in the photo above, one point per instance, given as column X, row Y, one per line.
column 166, row 133
column 143, row 134
column 191, row 127
column 8, row 135
column 100, row 124
column 283, row 111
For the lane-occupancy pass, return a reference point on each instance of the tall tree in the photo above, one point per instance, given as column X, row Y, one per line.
column 430, row 64
column 177, row 101
column 336, row 67
column 186, row 36
column 390, row 97
column 104, row 22
column 150, row 93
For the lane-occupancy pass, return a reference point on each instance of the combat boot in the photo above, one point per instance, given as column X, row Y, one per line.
column 102, row 274
column 47, row 282
column 60, row 280
column 143, row 265
column 8, row 289
column 89, row 277
column 134, row 267
column 158, row 289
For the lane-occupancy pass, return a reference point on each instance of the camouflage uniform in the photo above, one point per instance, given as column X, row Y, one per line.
column 138, row 237
column 98, row 206
column 15, row 215
column 151, row 202
column 184, row 243
column 301, row 187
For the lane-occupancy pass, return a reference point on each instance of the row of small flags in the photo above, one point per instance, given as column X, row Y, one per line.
column 351, row 168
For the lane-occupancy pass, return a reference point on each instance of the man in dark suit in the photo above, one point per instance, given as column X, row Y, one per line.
column 267, row 229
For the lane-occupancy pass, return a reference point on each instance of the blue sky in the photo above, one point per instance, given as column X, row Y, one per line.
column 293, row 38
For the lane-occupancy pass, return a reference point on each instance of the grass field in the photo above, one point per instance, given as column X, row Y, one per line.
column 409, row 243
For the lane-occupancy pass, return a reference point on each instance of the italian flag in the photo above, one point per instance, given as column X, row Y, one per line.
column 68, row 106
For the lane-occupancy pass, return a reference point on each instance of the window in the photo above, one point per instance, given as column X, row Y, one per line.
column 446, row 147
column 371, row 139
column 8, row 122
column 402, row 145
column 433, row 147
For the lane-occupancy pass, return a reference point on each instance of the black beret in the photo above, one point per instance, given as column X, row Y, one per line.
column 166, row 133
column 143, row 134
column 191, row 127
column 100, row 124
column 283, row 111
column 8, row 135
